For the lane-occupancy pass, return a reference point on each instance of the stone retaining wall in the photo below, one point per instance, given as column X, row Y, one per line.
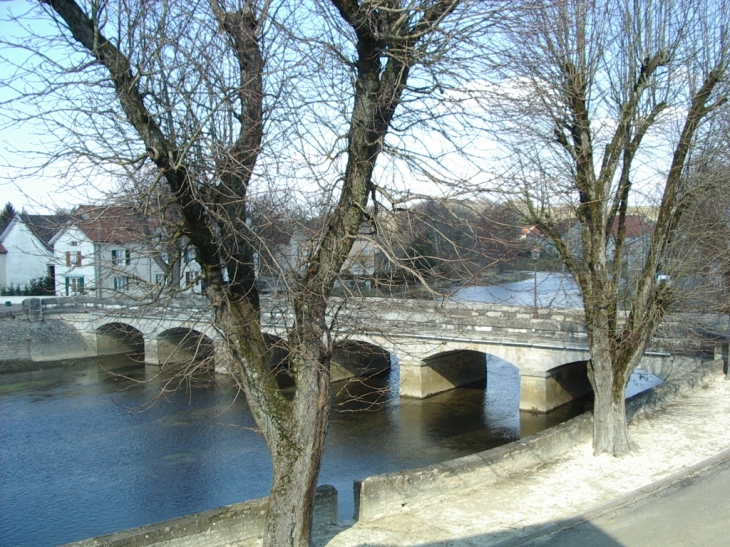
column 380, row 494
column 215, row 528
column 24, row 342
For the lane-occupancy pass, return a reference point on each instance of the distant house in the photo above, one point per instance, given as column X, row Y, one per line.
column 284, row 249
column 364, row 255
column 104, row 252
column 638, row 232
column 569, row 230
column 191, row 280
column 637, row 240
column 26, row 251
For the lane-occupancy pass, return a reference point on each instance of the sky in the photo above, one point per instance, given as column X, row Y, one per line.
column 50, row 189
column 40, row 192
column 44, row 191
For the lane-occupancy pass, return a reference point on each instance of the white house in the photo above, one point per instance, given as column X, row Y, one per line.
column 26, row 251
column 190, row 273
column 105, row 252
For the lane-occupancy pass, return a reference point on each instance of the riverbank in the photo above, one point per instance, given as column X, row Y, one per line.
column 683, row 433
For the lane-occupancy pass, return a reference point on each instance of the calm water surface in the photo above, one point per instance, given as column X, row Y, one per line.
column 549, row 289
column 83, row 453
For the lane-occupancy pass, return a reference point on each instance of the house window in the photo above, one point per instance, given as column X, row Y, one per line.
column 73, row 260
column 192, row 278
column 159, row 278
column 121, row 283
column 117, row 257
column 74, row 244
column 74, row 286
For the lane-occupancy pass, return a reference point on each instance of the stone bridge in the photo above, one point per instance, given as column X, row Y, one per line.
column 437, row 345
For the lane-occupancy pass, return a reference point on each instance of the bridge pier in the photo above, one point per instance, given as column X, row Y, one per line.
column 222, row 358
column 423, row 378
column 151, row 351
column 543, row 391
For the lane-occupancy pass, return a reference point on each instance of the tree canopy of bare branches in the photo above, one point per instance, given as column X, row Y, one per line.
column 220, row 102
column 601, row 106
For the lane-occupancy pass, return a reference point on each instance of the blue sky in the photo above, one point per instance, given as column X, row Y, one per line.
column 39, row 191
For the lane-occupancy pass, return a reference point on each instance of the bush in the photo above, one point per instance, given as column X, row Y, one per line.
column 40, row 286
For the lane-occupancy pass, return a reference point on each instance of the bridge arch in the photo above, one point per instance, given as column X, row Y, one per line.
column 550, row 375
column 351, row 358
column 181, row 346
column 118, row 337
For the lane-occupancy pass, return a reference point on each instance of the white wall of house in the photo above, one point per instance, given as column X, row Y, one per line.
column 128, row 268
column 74, row 261
column 190, row 271
column 362, row 258
column 107, row 270
column 26, row 258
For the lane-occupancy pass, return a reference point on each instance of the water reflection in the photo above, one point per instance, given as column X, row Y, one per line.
column 76, row 459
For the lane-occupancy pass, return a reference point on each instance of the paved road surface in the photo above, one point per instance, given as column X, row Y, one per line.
column 692, row 512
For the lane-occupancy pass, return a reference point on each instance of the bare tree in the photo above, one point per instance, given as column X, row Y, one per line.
column 599, row 106
column 7, row 214
column 699, row 256
column 204, row 92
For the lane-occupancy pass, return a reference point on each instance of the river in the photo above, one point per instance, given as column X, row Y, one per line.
column 83, row 452
column 549, row 289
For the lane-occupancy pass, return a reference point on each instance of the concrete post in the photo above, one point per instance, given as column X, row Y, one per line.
column 721, row 352
column 34, row 308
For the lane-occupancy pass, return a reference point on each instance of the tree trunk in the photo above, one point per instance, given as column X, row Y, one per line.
column 610, row 428
column 296, row 456
column 294, row 428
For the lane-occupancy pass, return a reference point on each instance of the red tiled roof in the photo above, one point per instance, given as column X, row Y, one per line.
column 111, row 224
column 3, row 249
column 636, row 226
column 562, row 227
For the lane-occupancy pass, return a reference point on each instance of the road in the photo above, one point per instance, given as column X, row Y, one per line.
column 692, row 512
